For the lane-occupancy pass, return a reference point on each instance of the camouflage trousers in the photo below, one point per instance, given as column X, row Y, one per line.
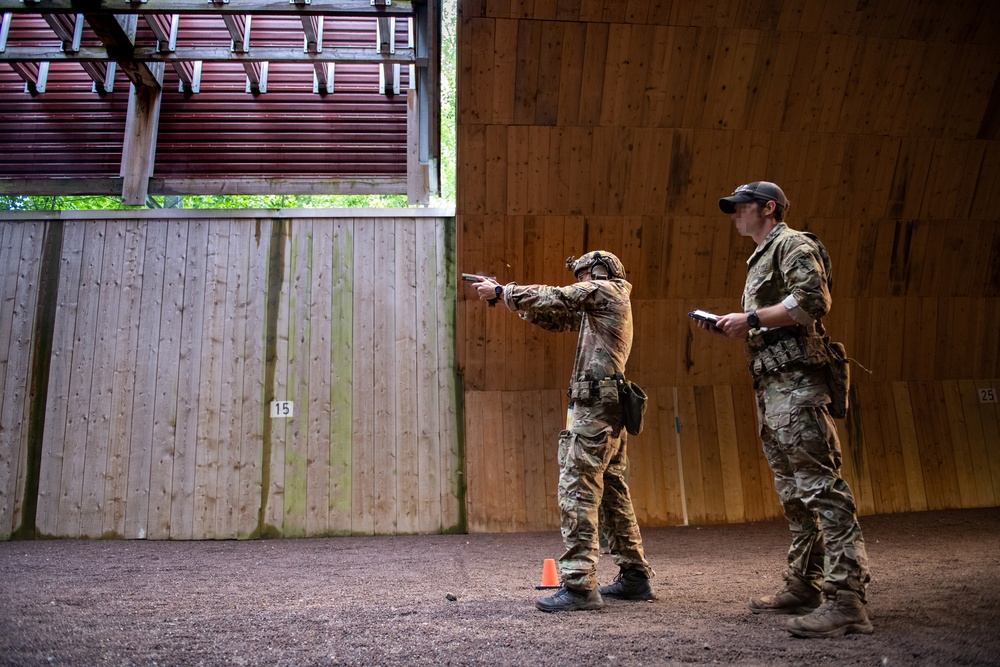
column 592, row 462
column 803, row 449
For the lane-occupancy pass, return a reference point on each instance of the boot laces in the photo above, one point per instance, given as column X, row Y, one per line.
column 828, row 607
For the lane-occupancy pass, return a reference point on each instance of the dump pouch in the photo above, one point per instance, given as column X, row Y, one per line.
column 838, row 378
column 633, row 401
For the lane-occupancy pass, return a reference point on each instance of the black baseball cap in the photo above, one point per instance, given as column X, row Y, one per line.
column 764, row 191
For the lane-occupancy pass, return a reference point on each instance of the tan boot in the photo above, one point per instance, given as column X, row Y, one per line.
column 797, row 597
column 842, row 613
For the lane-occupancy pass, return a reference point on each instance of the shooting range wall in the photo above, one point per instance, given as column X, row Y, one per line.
column 618, row 125
column 140, row 353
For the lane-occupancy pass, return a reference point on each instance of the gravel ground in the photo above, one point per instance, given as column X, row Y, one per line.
column 468, row 600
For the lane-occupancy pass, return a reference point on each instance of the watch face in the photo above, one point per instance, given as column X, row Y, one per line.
column 498, row 290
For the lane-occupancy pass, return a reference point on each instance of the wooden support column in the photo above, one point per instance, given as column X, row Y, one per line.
column 139, row 150
column 417, row 177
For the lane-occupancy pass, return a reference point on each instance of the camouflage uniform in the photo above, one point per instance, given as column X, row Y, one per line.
column 592, row 451
column 799, row 436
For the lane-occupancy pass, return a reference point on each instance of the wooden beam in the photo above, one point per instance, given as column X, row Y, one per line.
column 418, row 191
column 215, row 54
column 119, row 40
column 139, row 149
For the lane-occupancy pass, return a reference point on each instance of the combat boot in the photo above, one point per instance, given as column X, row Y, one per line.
column 797, row 597
column 842, row 613
column 630, row 584
column 570, row 599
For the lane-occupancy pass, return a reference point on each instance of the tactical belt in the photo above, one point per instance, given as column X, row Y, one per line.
column 594, row 390
column 784, row 351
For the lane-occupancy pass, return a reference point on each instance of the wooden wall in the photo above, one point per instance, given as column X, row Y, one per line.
column 140, row 353
column 618, row 125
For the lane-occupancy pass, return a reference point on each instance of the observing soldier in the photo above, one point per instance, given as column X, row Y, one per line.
column 592, row 455
column 787, row 293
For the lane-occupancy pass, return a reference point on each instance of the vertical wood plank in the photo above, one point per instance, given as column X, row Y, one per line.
column 212, row 445
column 364, row 375
column 959, row 433
column 729, row 456
column 20, row 248
column 54, row 450
column 407, row 385
column 236, row 369
column 754, row 471
column 918, row 499
column 711, row 467
column 691, row 444
column 168, row 376
column 386, row 446
column 431, row 449
column 864, row 424
column 514, row 509
column 322, row 324
column 279, row 430
column 452, row 484
column 144, row 448
column 475, row 493
column 122, row 444
column 342, row 351
column 191, row 337
column 253, row 406
column 490, row 458
column 295, row 487
column 553, row 421
column 982, row 442
column 76, row 483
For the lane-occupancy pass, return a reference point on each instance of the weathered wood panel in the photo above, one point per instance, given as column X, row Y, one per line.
column 618, row 125
column 172, row 337
column 20, row 248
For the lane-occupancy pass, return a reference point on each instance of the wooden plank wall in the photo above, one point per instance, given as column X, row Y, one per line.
column 618, row 125
column 172, row 336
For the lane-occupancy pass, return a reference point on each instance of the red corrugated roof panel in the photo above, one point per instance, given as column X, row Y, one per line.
column 288, row 131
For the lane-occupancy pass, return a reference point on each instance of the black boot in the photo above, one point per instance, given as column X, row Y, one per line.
column 570, row 599
column 630, row 584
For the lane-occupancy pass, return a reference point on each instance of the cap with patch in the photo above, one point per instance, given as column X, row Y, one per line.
column 764, row 191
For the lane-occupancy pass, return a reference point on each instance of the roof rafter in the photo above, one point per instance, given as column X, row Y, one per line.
column 124, row 46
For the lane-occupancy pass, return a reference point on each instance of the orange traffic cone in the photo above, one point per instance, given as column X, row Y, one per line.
column 550, row 578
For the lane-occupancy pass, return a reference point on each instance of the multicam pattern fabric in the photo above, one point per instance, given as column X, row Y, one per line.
column 599, row 309
column 789, row 263
column 592, row 451
column 799, row 436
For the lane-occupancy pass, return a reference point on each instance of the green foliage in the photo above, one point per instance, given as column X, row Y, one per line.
column 24, row 203
column 291, row 201
column 449, row 103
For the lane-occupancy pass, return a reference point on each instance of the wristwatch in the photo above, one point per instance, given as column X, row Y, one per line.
column 753, row 320
column 498, row 290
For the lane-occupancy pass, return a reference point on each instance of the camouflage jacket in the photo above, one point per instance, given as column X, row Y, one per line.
column 599, row 309
column 792, row 268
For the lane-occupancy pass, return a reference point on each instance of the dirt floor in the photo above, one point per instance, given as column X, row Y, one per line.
column 934, row 600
